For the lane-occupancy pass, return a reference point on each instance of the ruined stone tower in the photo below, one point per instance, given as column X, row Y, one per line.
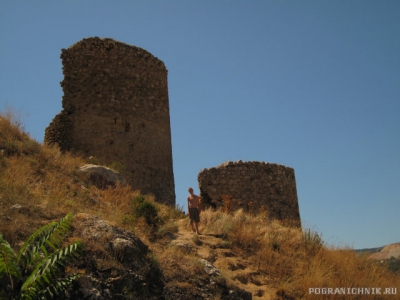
column 116, row 108
column 264, row 184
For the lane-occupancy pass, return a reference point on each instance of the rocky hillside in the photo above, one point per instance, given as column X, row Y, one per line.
column 135, row 248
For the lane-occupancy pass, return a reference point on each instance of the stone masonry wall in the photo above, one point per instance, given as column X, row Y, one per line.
column 264, row 184
column 116, row 108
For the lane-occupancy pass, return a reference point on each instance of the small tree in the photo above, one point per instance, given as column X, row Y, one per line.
column 35, row 273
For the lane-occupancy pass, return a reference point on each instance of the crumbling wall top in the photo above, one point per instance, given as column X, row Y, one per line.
column 94, row 44
column 235, row 164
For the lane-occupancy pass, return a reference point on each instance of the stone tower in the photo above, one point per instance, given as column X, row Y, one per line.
column 263, row 184
column 116, row 108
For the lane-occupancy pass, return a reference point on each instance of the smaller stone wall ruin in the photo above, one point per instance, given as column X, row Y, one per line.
column 254, row 186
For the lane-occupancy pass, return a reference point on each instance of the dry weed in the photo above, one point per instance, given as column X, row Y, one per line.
column 178, row 265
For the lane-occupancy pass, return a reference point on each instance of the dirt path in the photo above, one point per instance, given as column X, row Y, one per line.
column 236, row 269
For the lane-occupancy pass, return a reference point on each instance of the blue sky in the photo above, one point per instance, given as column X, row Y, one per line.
column 313, row 85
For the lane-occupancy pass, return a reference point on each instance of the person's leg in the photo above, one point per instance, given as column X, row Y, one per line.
column 191, row 225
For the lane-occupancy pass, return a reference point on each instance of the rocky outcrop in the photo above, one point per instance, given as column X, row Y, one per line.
column 116, row 264
column 101, row 176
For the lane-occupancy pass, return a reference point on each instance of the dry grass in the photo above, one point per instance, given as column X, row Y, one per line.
column 181, row 269
column 295, row 260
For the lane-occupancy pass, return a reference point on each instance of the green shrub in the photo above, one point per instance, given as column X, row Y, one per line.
column 148, row 211
column 394, row 265
column 137, row 201
column 144, row 208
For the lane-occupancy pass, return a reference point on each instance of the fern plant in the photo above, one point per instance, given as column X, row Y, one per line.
column 36, row 271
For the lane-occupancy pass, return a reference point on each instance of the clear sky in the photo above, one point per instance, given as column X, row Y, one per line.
column 313, row 85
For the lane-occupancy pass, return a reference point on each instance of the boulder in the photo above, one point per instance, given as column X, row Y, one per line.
column 101, row 176
column 115, row 263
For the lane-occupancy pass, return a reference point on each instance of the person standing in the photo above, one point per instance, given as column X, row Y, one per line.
column 194, row 210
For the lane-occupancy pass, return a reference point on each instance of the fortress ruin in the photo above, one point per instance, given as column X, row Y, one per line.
column 269, row 187
column 116, row 108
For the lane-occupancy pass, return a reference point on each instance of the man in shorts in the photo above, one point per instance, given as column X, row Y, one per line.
column 194, row 210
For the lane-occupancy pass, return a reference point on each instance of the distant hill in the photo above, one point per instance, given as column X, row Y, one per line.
column 368, row 251
column 387, row 252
